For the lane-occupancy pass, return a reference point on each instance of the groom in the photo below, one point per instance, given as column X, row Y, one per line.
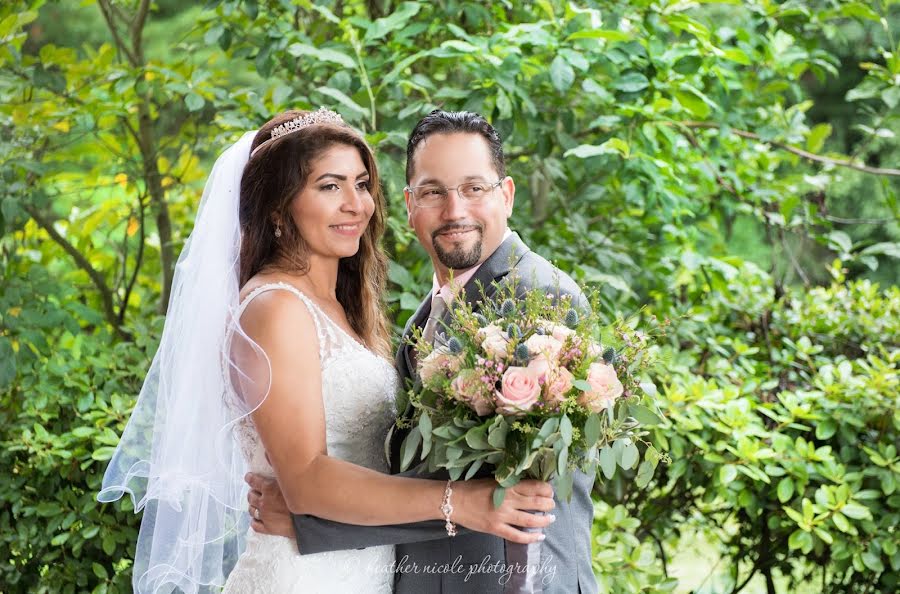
column 458, row 201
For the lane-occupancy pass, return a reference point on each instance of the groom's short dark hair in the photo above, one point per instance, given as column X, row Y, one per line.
column 450, row 122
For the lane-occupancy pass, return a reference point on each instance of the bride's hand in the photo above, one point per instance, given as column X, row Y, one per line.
column 473, row 507
column 269, row 512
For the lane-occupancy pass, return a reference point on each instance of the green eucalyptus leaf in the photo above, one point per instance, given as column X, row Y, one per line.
column 608, row 461
column 409, row 447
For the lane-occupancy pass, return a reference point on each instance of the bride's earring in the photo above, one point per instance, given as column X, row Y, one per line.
column 277, row 231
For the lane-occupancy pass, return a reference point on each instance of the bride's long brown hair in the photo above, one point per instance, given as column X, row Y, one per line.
column 271, row 180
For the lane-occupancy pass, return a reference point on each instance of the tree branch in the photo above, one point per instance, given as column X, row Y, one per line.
column 137, row 30
column 138, row 260
column 793, row 258
column 106, row 295
column 107, row 11
column 797, row 151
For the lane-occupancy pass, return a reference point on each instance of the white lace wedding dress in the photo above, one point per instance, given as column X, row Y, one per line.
column 358, row 390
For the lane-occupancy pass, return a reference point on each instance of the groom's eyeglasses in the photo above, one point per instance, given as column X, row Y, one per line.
column 434, row 195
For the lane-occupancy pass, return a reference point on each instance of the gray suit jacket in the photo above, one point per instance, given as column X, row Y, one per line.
column 468, row 563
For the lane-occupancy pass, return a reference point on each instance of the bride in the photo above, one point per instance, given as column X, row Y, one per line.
column 274, row 359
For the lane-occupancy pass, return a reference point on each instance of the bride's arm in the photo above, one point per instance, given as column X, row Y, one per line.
column 291, row 424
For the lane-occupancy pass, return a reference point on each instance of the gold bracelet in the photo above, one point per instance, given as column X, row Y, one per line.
column 447, row 509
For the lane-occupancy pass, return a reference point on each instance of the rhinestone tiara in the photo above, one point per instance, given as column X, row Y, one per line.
column 319, row 116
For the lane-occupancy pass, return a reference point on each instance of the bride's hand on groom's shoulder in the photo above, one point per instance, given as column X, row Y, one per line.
column 269, row 513
column 473, row 503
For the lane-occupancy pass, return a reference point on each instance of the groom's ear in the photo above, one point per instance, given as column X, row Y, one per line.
column 407, row 197
column 508, row 186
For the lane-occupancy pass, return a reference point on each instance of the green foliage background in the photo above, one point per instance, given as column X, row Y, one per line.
column 732, row 166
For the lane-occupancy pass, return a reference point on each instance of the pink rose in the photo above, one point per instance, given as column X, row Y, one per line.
column 493, row 340
column 605, row 388
column 560, row 333
column 438, row 362
column 556, row 380
column 467, row 387
column 542, row 343
column 519, row 391
column 560, row 383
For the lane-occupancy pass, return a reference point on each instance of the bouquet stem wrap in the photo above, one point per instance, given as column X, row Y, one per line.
column 525, row 561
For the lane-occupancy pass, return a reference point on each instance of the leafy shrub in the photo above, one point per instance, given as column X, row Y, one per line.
column 783, row 426
column 60, row 419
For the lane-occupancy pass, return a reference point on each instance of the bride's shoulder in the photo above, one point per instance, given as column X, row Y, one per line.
column 270, row 305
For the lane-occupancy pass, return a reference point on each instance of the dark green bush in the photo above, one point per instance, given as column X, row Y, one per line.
column 60, row 419
column 783, row 426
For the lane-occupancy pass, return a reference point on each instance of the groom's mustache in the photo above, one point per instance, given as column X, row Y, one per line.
column 454, row 227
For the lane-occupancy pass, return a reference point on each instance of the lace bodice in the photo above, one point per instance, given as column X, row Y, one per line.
column 358, row 391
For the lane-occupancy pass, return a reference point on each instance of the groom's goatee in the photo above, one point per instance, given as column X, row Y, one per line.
column 458, row 258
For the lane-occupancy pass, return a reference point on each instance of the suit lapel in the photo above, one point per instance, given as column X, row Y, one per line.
column 416, row 321
column 497, row 266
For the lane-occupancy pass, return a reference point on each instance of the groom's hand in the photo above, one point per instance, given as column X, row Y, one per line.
column 269, row 512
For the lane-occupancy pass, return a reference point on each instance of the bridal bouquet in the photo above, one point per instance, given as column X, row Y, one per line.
column 534, row 388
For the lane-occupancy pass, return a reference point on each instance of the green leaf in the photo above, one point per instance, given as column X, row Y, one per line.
column 425, row 430
column 840, row 242
column 562, row 75
column 644, row 474
column 592, row 429
column 841, row 522
column 788, row 204
column 737, row 55
column 562, row 460
column 547, row 429
column 856, row 511
column 785, row 489
column 409, row 447
column 873, row 561
column 409, row 302
column 477, row 438
column 475, row 467
column 826, row 429
column 7, row 364
column 630, row 455
column 565, row 429
column 727, row 474
column 631, row 82
column 109, row 544
column 453, row 454
column 461, row 46
column 322, row 54
column 693, row 103
column 861, row 11
column 564, row 483
column 104, row 453
column 497, row 433
column 396, row 20
column 613, row 146
column 608, row 462
column 60, row 539
column 815, row 140
column 643, row 415
column 800, row 539
column 891, row 96
column 344, row 100
column 499, row 496
column 824, row 535
column 600, row 34
column 194, row 102
column 100, row 571
column 887, row 248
